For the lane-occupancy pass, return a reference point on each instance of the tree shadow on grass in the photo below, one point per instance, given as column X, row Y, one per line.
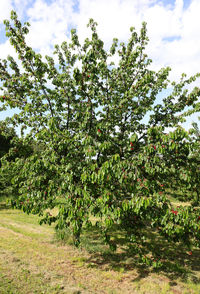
column 181, row 196
column 177, row 263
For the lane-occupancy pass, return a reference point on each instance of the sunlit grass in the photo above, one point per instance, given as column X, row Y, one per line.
column 36, row 257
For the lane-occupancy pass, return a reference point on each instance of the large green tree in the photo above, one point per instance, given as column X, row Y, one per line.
column 105, row 150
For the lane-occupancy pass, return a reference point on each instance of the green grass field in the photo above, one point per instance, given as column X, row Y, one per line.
column 33, row 260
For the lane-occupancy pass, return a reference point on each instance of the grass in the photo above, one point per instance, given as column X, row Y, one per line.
column 180, row 197
column 34, row 260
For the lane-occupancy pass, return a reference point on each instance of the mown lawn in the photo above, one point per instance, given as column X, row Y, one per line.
column 33, row 261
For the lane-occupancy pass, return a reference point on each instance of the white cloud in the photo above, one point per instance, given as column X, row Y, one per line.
column 5, row 8
column 52, row 20
column 20, row 6
column 49, row 23
column 182, row 54
column 6, row 49
column 114, row 18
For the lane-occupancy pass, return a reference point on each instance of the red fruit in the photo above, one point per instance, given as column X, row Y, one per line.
column 131, row 148
column 174, row 212
column 99, row 130
column 154, row 147
column 131, row 143
column 88, row 76
column 190, row 252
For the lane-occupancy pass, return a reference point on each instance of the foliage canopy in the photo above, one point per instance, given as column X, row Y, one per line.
column 103, row 147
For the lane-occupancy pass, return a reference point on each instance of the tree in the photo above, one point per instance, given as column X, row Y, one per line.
column 11, row 148
column 105, row 149
column 194, row 168
column 196, row 130
column 6, row 135
column 188, row 176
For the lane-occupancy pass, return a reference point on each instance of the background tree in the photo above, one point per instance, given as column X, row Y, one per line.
column 11, row 148
column 6, row 135
column 105, row 152
column 194, row 168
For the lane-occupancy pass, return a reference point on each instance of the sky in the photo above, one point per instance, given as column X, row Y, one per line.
column 173, row 28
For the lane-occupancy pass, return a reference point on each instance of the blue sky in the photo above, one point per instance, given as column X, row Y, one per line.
column 173, row 27
column 172, row 3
